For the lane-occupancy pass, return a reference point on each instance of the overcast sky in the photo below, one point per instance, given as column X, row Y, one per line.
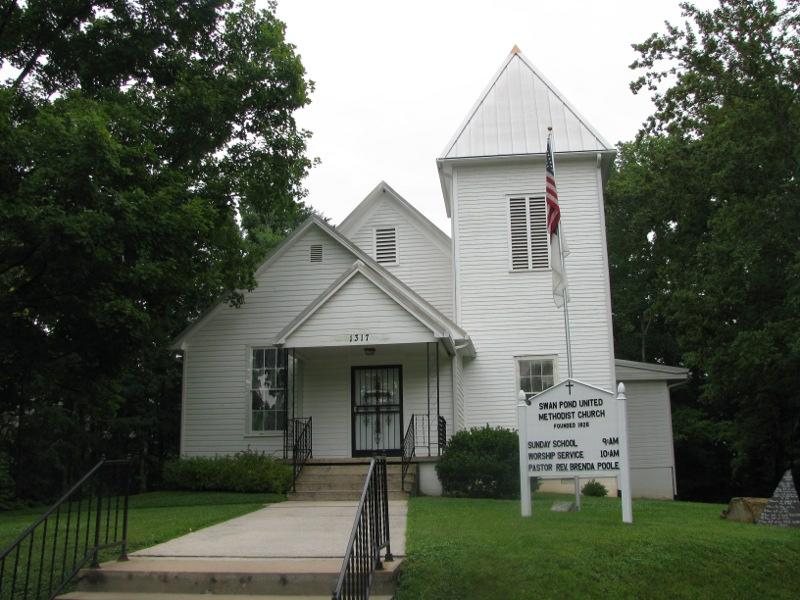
column 394, row 80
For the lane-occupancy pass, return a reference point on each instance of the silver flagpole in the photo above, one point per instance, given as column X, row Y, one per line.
column 563, row 263
column 566, row 298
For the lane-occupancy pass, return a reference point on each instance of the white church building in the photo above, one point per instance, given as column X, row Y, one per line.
column 384, row 325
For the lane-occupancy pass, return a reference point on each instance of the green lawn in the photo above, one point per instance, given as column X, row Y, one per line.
column 464, row 549
column 158, row 516
column 161, row 516
column 154, row 518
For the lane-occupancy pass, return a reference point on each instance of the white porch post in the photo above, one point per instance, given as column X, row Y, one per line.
column 438, row 433
column 428, row 382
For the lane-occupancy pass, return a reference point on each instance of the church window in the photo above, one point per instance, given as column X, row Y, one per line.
column 268, row 389
column 535, row 375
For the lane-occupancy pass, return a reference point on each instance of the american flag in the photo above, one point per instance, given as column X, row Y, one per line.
column 558, row 243
column 551, row 195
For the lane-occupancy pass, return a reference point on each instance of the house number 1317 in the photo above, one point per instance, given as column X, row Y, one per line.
column 359, row 337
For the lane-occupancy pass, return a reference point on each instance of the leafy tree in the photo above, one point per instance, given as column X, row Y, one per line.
column 148, row 158
column 707, row 242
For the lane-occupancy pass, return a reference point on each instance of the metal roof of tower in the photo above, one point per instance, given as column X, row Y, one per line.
column 512, row 115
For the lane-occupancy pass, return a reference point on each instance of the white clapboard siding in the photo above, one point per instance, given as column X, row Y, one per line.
column 511, row 313
column 650, row 424
column 217, row 357
column 358, row 307
column 327, row 390
column 422, row 264
column 650, row 439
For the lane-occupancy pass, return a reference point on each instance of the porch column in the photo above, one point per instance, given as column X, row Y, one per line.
column 438, row 436
column 428, row 383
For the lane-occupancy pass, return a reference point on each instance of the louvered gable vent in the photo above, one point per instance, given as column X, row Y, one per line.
column 386, row 245
column 528, row 232
column 315, row 254
column 518, row 212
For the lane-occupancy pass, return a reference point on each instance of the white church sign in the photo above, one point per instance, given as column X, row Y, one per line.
column 573, row 430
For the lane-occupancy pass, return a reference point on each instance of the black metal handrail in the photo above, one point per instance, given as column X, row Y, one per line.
column 409, row 449
column 91, row 516
column 370, row 534
column 301, row 446
column 441, row 427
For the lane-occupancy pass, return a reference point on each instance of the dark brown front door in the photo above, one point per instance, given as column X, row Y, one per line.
column 377, row 409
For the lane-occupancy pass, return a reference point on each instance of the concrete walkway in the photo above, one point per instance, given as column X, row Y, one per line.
column 282, row 530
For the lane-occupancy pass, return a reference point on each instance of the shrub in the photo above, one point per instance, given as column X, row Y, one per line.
column 481, row 463
column 246, row 471
column 594, row 488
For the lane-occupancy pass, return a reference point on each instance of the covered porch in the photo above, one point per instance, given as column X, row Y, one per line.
column 371, row 364
column 366, row 400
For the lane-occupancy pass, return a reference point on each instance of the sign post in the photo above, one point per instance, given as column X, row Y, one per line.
column 625, row 472
column 573, row 430
column 524, row 483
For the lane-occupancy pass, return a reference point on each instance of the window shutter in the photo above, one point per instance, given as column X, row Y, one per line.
column 315, row 255
column 520, row 233
column 386, row 245
column 530, row 243
column 540, row 247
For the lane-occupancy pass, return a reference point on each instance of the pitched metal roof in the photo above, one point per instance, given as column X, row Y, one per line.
column 512, row 115
column 630, row 370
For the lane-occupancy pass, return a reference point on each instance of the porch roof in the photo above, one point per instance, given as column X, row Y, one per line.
column 401, row 319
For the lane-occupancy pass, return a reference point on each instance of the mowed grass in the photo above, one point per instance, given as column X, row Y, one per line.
column 459, row 548
column 155, row 517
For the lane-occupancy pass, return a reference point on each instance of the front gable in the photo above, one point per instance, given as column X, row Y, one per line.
column 384, row 206
column 296, row 272
column 357, row 313
column 423, row 251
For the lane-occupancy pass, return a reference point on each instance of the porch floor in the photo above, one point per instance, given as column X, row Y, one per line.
column 282, row 530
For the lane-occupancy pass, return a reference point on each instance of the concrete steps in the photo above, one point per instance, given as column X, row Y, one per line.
column 337, row 496
column 329, row 482
column 190, row 579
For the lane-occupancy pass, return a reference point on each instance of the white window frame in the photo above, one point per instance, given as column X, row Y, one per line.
column 249, row 431
column 528, row 197
column 396, row 244
column 532, row 357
